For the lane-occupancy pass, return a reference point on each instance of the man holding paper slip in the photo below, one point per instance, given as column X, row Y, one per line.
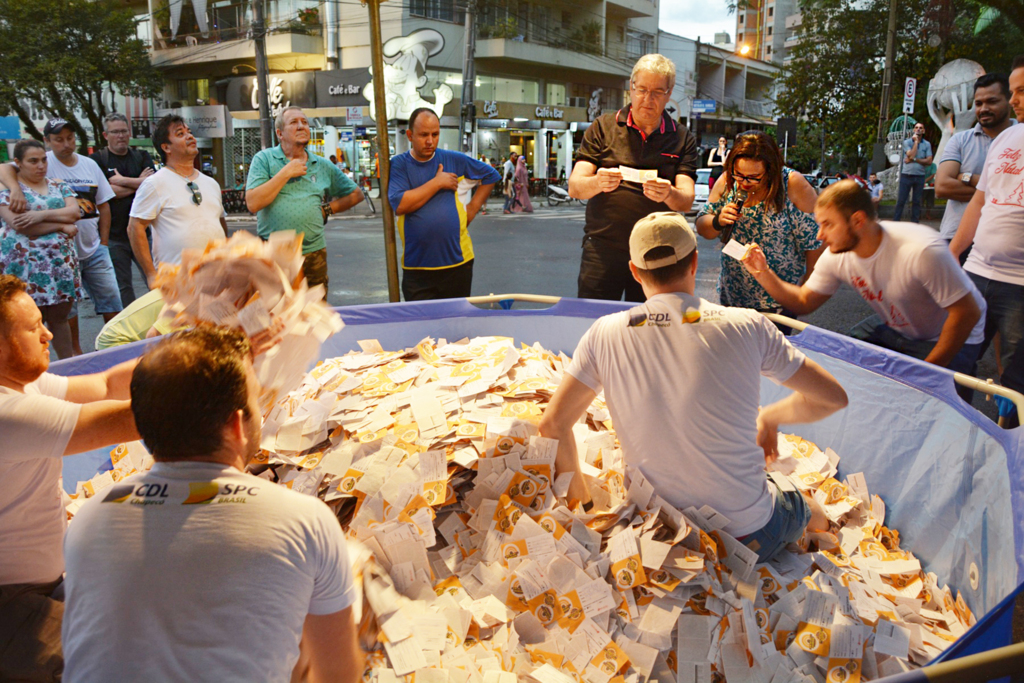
column 925, row 304
column 631, row 163
column 682, row 378
column 216, row 574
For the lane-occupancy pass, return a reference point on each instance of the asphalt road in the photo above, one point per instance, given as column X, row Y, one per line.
column 519, row 253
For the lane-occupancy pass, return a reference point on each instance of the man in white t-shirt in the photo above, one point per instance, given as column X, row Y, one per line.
column 196, row 570
column 84, row 176
column 924, row 304
column 682, row 380
column 994, row 222
column 42, row 418
column 181, row 204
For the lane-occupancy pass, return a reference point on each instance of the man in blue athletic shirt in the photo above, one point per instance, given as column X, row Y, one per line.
column 437, row 253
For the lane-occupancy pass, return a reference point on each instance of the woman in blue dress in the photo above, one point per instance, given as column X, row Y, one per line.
column 37, row 241
column 758, row 199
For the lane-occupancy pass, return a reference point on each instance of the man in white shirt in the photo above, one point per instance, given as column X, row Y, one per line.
column 181, row 204
column 196, row 570
column 42, row 418
column 925, row 306
column 682, row 380
column 84, row 176
column 994, row 222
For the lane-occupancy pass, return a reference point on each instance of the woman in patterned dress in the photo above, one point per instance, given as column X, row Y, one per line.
column 37, row 244
column 776, row 213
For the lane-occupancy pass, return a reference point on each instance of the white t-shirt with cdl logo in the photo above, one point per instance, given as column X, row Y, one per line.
column 92, row 189
column 197, row 571
column 998, row 252
column 682, row 380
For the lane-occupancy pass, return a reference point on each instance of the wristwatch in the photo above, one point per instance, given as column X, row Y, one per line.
column 326, row 210
column 965, row 178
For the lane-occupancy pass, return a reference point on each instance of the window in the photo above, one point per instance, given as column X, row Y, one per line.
column 566, row 20
column 739, row 39
column 770, row 28
column 556, row 95
column 771, row 11
column 443, row 10
column 769, row 49
column 194, row 91
column 507, row 89
column 621, row 32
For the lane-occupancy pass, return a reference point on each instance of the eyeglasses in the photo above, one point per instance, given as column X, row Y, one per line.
column 197, row 196
column 644, row 93
column 753, row 179
column 124, row 131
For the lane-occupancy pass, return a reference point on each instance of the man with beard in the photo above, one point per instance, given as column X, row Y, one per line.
column 290, row 188
column 43, row 417
column 964, row 155
column 925, row 304
column 196, row 570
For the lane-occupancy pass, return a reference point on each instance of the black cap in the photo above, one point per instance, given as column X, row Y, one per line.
column 54, row 126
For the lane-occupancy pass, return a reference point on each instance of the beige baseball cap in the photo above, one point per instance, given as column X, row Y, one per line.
column 661, row 229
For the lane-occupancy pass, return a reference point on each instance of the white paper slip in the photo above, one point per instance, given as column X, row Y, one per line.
column 638, row 175
column 892, row 639
column 735, row 250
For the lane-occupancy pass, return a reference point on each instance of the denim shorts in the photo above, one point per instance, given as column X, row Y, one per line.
column 787, row 524
column 99, row 281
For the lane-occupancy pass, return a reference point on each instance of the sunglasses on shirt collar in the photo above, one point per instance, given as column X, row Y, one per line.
column 197, row 196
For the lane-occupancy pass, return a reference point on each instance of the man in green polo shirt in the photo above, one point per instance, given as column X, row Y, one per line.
column 290, row 188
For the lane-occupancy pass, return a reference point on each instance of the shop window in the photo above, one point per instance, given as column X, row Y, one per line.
column 505, row 89
column 556, row 95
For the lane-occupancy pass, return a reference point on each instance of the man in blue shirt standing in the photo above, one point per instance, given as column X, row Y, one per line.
column 917, row 157
column 290, row 188
column 437, row 253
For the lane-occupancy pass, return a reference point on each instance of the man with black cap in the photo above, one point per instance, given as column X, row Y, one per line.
column 682, row 379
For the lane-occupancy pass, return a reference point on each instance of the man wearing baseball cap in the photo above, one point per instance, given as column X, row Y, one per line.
column 682, row 378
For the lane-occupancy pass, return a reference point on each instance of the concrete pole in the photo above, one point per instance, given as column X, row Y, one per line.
column 383, row 147
column 466, row 114
column 890, row 56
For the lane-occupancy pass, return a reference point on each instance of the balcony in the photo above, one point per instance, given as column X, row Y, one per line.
column 552, row 56
column 225, row 33
column 634, row 8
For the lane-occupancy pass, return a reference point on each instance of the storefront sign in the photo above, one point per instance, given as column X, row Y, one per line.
column 346, row 136
column 549, row 113
column 341, row 87
column 406, row 73
column 490, row 109
column 207, row 122
column 292, row 89
column 142, row 128
column 354, row 115
column 704, row 106
column 594, row 105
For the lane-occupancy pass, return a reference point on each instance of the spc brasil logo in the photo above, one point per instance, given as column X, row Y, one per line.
column 206, row 492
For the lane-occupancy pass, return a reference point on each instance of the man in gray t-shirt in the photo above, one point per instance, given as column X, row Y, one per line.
column 917, row 157
column 963, row 158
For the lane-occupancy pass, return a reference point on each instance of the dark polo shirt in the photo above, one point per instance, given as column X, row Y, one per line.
column 613, row 140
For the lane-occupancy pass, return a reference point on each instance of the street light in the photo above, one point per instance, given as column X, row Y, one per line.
column 745, row 50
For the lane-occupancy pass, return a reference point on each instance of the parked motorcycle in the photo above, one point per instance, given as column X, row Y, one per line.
column 558, row 194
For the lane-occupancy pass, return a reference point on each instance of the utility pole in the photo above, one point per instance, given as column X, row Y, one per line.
column 259, row 35
column 467, row 113
column 878, row 153
column 383, row 146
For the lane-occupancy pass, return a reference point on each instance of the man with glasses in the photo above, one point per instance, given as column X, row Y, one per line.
column 125, row 169
column 640, row 138
column 290, row 188
column 181, row 204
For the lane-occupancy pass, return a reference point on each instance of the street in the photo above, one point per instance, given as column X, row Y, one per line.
column 518, row 253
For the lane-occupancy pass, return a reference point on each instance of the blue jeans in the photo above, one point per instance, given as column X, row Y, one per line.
column 787, row 524
column 1005, row 315
column 99, row 281
column 510, row 200
column 874, row 331
column 908, row 183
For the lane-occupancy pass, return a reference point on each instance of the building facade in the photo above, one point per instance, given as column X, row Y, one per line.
column 761, row 27
column 544, row 70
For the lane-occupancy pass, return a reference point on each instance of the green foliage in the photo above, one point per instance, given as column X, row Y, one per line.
column 587, row 37
column 835, row 78
column 61, row 55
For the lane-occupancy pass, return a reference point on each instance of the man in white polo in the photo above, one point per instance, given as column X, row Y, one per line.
column 682, row 379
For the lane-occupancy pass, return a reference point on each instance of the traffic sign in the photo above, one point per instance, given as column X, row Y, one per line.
column 909, row 92
column 704, row 106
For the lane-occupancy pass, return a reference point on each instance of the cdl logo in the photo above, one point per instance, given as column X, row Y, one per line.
column 658, row 318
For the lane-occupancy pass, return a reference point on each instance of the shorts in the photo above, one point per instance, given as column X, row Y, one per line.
column 30, row 623
column 789, row 519
column 100, row 282
column 314, row 267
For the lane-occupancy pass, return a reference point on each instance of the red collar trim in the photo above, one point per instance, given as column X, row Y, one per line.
column 629, row 122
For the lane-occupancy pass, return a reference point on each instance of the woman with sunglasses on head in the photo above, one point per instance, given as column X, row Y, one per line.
column 758, row 199
column 182, row 205
column 37, row 243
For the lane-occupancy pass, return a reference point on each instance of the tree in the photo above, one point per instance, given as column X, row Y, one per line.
column 61, row 55
column 835, row 77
